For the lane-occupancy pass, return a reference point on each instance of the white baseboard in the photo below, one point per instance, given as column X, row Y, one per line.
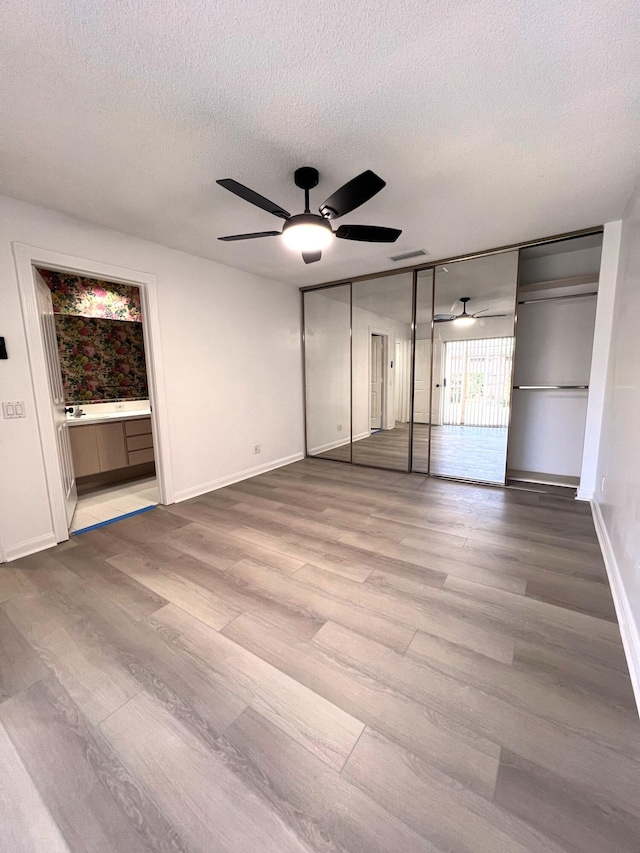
column 203, row 488
column 585, row 495
column 626, row 620
column 31, row 546
column 322, row 448
column 341, row 442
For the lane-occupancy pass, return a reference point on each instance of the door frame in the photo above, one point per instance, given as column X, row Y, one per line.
column 384, row 334
column 383, row 399
column 26, row 258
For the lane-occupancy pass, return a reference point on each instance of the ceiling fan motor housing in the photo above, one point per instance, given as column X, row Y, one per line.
column 306, row 177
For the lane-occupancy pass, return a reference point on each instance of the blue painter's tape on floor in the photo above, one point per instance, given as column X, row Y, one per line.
column 111, row 520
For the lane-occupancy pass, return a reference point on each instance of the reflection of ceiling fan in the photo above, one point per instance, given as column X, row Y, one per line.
column 464, row 319
column 308, row 232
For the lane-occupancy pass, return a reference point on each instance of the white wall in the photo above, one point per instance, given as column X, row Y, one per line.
column 232, row 365
column 617, row 503
column 600, row 357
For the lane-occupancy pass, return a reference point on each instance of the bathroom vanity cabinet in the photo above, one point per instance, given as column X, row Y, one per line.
column 116, row 444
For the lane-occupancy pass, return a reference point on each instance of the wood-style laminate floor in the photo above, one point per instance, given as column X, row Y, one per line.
column 322, row 658
column 465, row 452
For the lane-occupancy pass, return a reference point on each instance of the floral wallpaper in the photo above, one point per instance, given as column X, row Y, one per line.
column 101, row 360
column 89, row 297
column 100, row 339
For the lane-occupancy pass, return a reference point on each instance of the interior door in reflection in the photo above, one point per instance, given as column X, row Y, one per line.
column 376, row 381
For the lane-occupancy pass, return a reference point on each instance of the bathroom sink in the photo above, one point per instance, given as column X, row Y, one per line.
column 108, row 416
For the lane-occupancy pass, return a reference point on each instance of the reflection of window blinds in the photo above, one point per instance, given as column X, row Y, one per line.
column 477, row 382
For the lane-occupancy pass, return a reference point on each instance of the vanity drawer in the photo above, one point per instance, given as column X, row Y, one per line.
column 136, row 457
column 138, row 426
column 139, row 442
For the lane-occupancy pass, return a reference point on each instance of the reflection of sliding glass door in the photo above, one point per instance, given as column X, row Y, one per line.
column 477, row 382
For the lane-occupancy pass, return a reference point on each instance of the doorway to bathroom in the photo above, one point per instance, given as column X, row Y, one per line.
column 99, row 354
column 94, row 346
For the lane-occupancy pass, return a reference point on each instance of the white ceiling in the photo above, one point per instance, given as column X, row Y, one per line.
column 492, row 121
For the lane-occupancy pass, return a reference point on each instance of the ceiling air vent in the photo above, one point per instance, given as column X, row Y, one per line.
column 407, row 255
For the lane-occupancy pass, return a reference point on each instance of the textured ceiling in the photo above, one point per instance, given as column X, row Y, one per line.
column 492, row 121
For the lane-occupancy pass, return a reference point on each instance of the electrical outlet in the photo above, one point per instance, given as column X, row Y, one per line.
column 339, row 427
column 257, row 448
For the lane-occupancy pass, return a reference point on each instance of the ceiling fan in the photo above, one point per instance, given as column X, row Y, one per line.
column 464, row 319
column 308, row 232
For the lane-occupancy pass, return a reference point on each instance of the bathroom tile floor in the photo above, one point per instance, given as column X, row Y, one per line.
column 114, row 501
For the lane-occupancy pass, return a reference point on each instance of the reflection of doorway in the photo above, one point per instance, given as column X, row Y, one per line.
column 421, row 382
column 377, row 382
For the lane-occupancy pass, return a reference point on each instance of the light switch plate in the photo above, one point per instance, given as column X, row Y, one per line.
column 14, row 409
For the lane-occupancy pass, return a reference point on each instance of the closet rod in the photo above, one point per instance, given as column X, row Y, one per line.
column 553, row 298
column 551, row 387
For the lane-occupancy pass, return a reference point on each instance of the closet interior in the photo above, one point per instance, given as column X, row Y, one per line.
column 557, row 298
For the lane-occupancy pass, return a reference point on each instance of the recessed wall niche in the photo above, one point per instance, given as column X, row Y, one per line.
column 100, row 338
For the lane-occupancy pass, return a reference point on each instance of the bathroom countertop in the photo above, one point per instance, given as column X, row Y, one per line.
column 110, row 416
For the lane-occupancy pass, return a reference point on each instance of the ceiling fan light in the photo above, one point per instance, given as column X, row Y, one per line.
column 464, row 320
column 312, row 234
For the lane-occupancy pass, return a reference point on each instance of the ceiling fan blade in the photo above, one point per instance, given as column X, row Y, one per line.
column 352, row 195
column 250, row 236
column 253, row 197
column 443, row 318
column 368, row 233
column 481, row 316
column 311, row 257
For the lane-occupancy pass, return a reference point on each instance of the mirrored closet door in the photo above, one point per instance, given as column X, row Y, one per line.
column 327, row 348
column 420, row 371
column 472, row 366
column 381, row 351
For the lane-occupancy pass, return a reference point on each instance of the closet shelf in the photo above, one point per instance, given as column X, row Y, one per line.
column 550, row 387
column 557, row 298
column 570, row 281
